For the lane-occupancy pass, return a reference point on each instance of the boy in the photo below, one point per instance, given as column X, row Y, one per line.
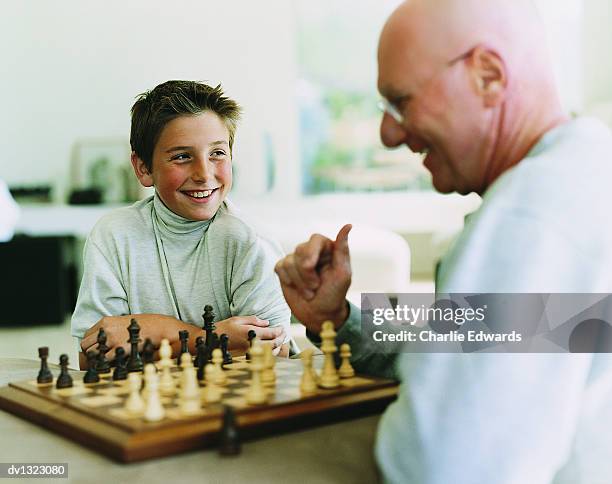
column 163, row 259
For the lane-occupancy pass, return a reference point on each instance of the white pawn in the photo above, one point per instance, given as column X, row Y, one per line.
column 268, row 376
column 134, row 405
column 329, row 375
column 166, row 385
column 308, row 384
column 189, row 398
column 212, row 394
column 257, row 393
column 154, row 410
column 346, row 370
column 219, row 375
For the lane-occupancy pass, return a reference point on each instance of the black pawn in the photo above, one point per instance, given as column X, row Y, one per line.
column 199, row 342
column 184, row 337
column 121, row 371
column 102, row 365
column 202, row 358
column 229, row 440
column 227, row 356
column 214, row 344
column 148, row 352
column 64, row 380
column 91, row 375
column 44, row 375
column 251, row 335
column 134, row 362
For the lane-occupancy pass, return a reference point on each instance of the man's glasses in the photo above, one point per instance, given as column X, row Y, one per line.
column 386, row 107
column 392, row 110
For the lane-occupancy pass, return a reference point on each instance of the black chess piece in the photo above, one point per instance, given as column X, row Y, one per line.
column 148, row 352
column 201, row 357
column 199, row 342
column 184, row 338
column 224, row 342
column 102, row 364
column 229, row 442
column 44, row 375
column 91, row 375
column 214, row 344
column 251, row 335
column 121, row 371
column 134, row 362
column 209, row 325
column 64, row 380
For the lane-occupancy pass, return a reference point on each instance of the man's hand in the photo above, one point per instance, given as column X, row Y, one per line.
column 316, row 278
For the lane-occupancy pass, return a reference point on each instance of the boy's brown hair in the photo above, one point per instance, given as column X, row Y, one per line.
column 154, row 109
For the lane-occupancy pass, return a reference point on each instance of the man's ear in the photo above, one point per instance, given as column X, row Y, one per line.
column 140, row 170
column 488, row 72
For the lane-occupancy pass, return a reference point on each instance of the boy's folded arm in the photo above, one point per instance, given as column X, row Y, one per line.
column 255, row 288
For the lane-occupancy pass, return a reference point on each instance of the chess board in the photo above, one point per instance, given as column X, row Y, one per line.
column 93, row 415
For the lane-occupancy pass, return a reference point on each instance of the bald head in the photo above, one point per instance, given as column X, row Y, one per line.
column 504, row 73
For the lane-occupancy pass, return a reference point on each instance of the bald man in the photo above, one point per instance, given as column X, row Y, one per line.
column 469, row 84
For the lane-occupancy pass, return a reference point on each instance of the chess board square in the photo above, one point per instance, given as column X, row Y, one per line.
column 118, row 390
column 73, row 391
column 100, row 401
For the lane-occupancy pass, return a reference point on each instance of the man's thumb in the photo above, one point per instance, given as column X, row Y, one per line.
column 341, row 246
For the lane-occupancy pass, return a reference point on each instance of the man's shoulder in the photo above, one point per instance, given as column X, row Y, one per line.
column 571, row 165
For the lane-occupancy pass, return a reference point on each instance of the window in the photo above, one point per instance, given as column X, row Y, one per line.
column 338, row 118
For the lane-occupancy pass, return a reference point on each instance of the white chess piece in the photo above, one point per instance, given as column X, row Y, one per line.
column 257, row 393
column 329, row 375
column 154, row 410
column 268, row 376
column 212, row 394
column 167, row 386
column 346, row 370
column 134, row 405
column 219, row 375
column 308, row 384
column 189, row 396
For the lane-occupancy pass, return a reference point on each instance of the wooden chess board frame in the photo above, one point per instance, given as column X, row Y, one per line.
column 129, row 440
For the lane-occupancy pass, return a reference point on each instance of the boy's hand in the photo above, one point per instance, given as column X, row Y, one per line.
column 238, row 327
column 153, row 326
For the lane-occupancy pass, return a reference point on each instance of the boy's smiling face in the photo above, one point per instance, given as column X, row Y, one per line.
column 192, row 165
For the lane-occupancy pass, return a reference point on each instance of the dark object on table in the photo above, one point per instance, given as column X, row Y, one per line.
column 184, row 337
column 44, row 375
column 134, row 363
column 91, row 196
column 148, row 352
column 121, row 370
column 229, row 442
column 227, row 356
column 251, row 335
column 198, row 343
column 55, row 284
column 209, row 324
column 102, row 365
column 64, row 380
column 91, row 375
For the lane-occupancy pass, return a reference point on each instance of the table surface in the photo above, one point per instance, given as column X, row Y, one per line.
column 336, row 453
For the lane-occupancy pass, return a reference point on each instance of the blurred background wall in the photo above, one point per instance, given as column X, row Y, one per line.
column 305, row 72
